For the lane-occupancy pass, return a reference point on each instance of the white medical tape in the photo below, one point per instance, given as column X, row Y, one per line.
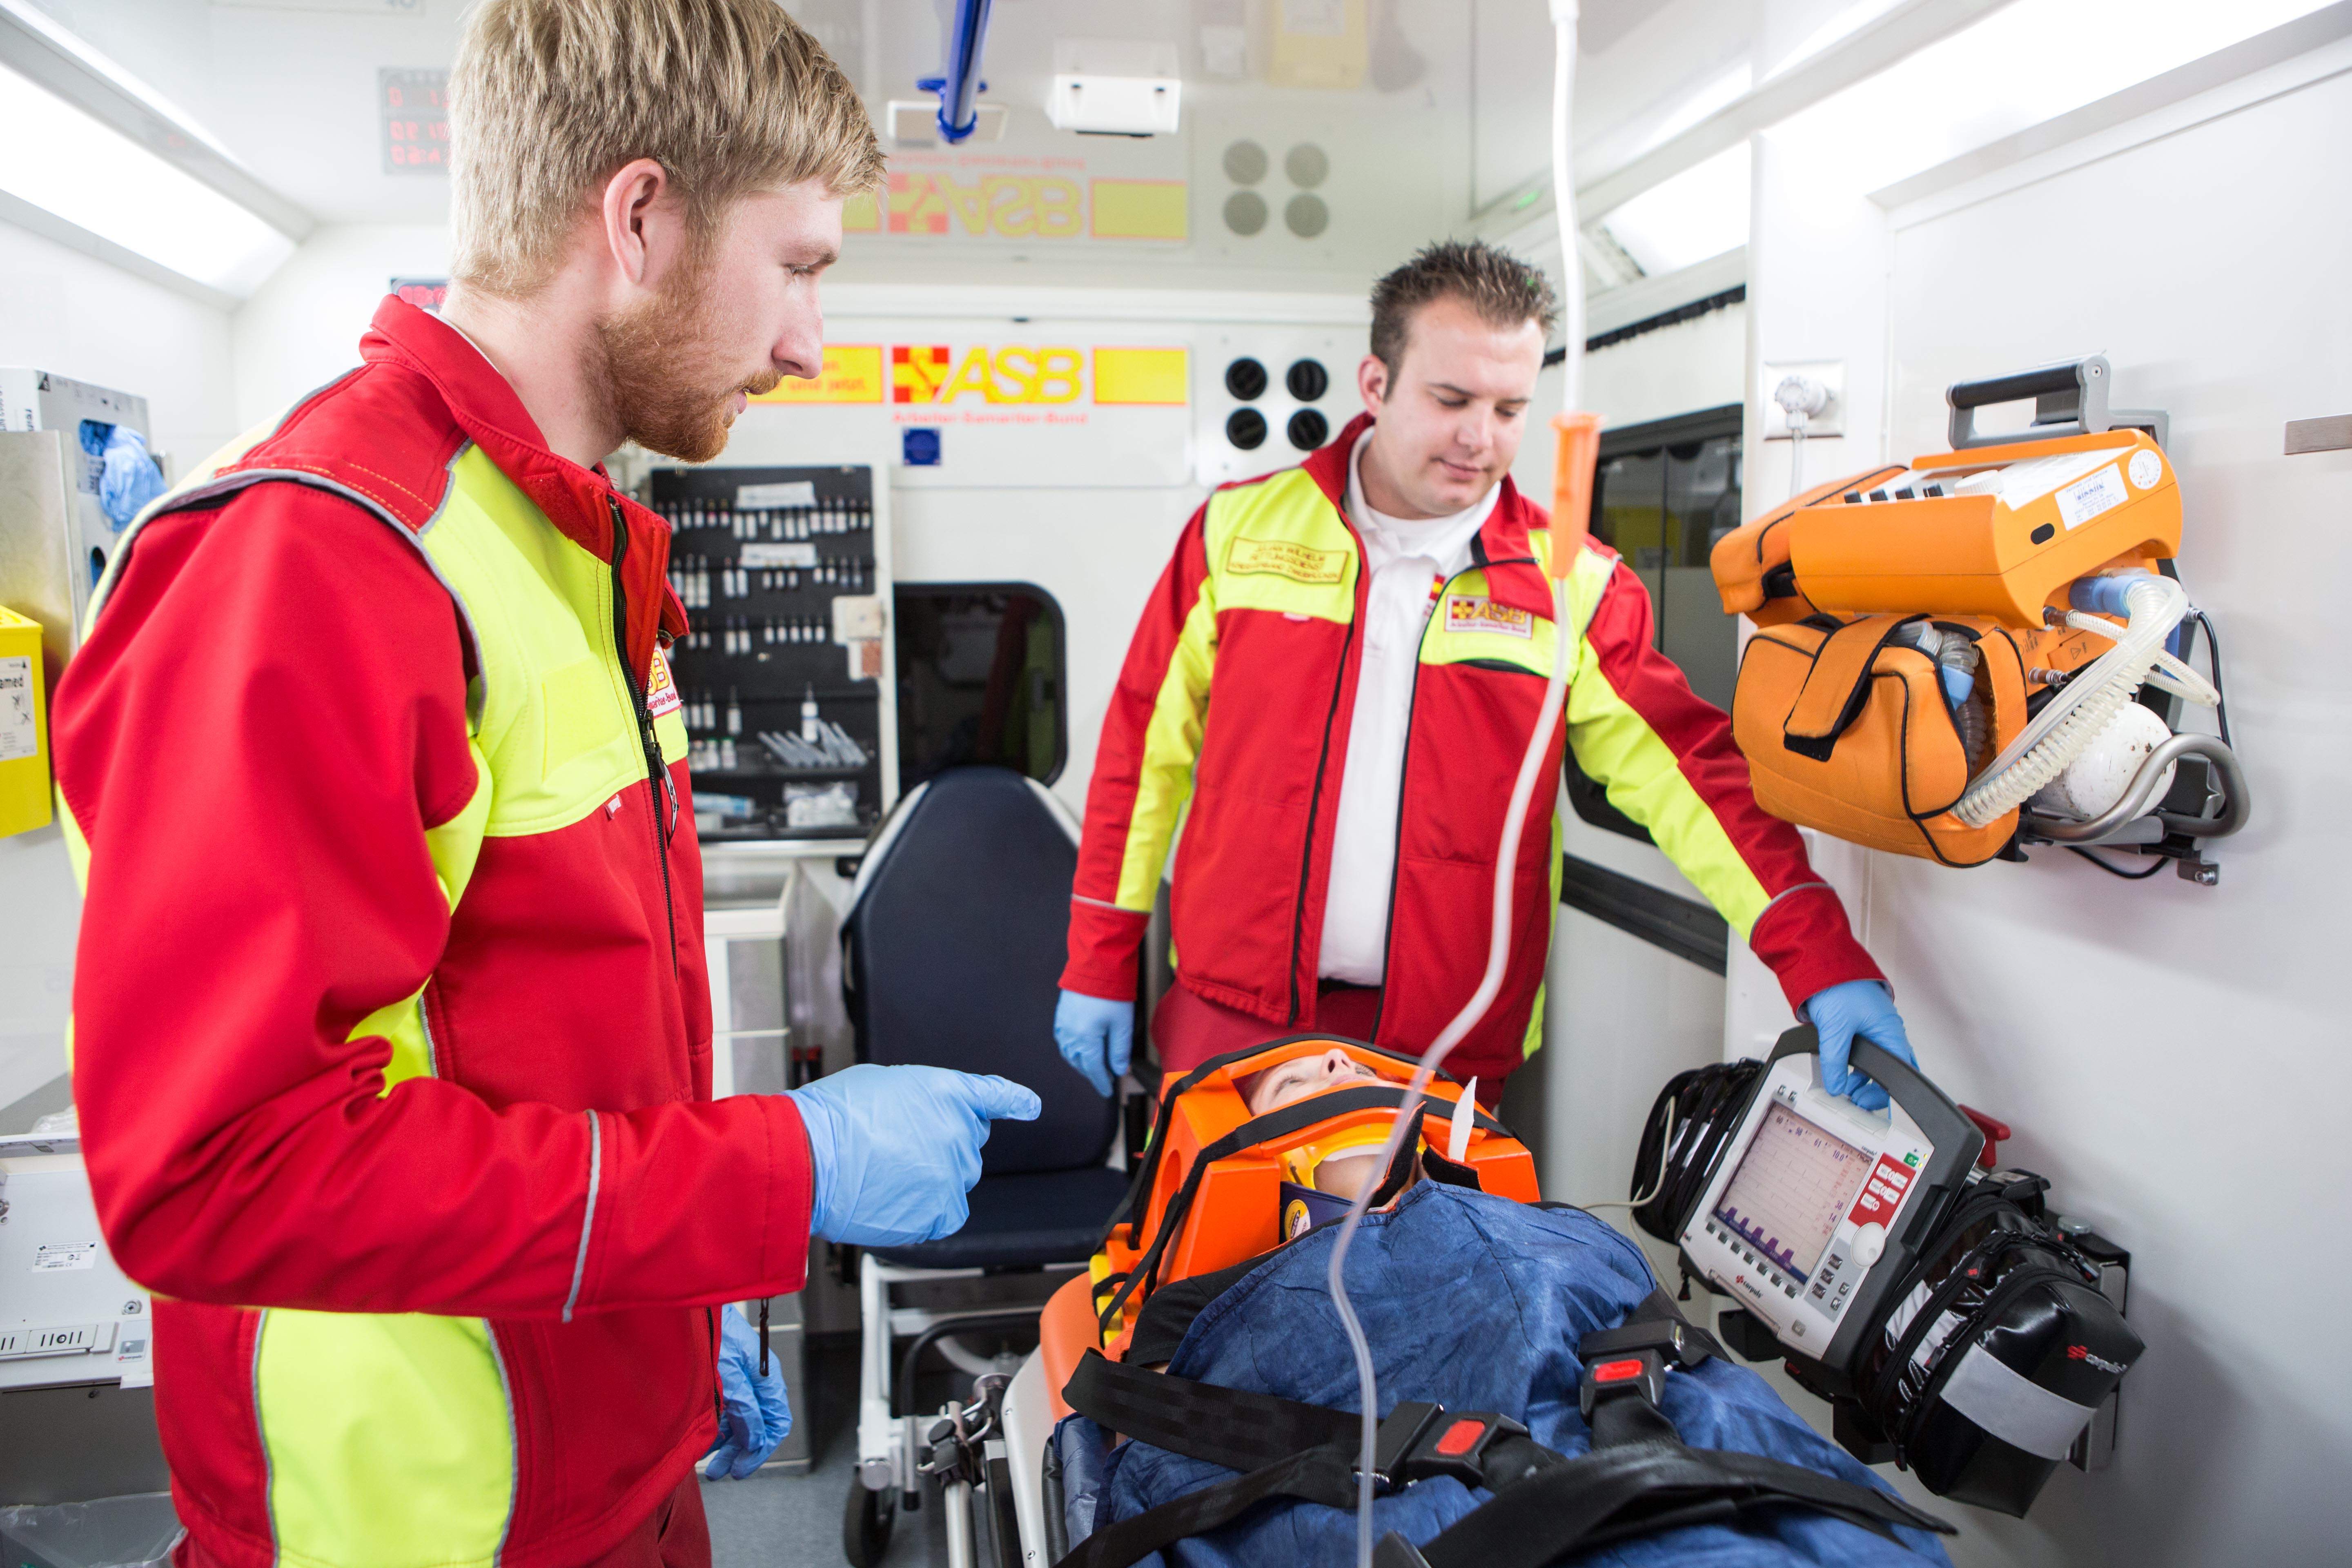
column 2012, row 1407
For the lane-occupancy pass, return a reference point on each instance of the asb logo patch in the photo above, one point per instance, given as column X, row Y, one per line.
column 1280, row 558
column 1477, row 613
column 661, row 691
column 915, row 372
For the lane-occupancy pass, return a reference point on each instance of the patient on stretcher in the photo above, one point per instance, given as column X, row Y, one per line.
column 1473, row 1300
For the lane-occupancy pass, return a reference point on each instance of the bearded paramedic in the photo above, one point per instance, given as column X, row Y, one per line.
column 1339, row 673
column 393, row 1035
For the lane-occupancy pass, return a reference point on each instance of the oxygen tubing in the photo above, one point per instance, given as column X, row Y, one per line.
column 2061, row 732
column 1568, row 534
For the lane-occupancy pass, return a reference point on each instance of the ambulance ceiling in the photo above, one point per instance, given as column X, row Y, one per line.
column 1320, row 140
column 1368, row 148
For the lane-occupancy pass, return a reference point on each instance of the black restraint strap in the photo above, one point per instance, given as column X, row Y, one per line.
column 1325, row 1475
column 1228, row 1427
column 1635, row 1489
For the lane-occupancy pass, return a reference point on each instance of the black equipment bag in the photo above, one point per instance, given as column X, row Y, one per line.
column 1684, row 1138
column 1996, row 1353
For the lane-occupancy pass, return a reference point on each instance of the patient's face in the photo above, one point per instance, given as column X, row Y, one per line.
column 1302, row 1076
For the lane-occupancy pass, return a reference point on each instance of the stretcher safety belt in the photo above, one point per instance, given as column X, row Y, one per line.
column 1639, row 1478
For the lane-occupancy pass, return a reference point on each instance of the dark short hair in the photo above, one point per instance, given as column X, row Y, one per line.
column 1501, row 287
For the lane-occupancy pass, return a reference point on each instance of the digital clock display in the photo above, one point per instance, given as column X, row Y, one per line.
column 413, row 106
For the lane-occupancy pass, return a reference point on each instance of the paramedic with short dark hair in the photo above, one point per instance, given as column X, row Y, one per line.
column 393, row 1061
column 1339, row 673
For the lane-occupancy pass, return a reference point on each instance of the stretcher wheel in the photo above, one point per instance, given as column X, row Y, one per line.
column 866, row 1525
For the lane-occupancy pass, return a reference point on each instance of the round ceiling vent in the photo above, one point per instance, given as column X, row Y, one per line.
column 1245, row 428
column 1308, row 430
column 1246, row 213
column 1306, row 215
column 1247, row 162
column 1308, row 380
column 1306, row 164
column 1245, row 379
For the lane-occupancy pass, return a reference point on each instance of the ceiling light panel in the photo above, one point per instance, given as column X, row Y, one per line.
column 2025, row 64
column 67, row 164
column 1700, row 212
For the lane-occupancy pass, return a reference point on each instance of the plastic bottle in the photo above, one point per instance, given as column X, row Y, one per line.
column 809, row 731
column 734, row 713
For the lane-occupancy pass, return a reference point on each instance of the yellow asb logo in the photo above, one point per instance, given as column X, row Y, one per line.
column 1477, row 613
column 1011, row 374
column 1021, row 373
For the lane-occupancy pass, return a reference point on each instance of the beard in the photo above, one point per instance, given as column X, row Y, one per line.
column 664, row 372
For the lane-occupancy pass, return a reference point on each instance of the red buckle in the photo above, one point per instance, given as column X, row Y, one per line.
column 1626, row 1370
column 1460, row 1438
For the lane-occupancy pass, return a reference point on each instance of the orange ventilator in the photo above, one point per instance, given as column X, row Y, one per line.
column 1207, row 1194
column 1844, row 718
column 1996, row 531
column 1572, row 462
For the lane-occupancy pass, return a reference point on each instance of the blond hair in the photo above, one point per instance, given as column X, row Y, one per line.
column 549, row 97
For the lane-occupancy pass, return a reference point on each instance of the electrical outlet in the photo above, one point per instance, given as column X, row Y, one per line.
column 1829, row 421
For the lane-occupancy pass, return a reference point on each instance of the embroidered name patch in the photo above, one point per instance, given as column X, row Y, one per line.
column 661, row 691
column 1279, row 558
column 1477, row 613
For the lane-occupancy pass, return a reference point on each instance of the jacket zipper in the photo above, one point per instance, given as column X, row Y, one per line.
column 1404, row 768
column 656, row 776
column 1314, row 801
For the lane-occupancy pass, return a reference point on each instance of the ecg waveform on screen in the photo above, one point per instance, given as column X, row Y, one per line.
column 1790, row 1189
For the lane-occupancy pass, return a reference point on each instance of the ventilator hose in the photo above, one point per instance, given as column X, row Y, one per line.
column 2072, row 719
column 1531, row 766
column 1499, row 947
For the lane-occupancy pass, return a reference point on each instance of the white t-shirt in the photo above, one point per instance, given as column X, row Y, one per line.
column 1409, row 561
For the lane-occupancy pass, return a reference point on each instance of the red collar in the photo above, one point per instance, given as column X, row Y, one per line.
column 578, row 500
column 1502, row 547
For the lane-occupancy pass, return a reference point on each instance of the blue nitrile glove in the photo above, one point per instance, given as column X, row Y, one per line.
column 1842, row 1012
column 894, row 1149
column 129, row 480
column 1098, row 1038
column 757, row 1416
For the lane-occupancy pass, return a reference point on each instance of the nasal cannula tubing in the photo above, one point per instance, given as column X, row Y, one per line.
column 1578, row 435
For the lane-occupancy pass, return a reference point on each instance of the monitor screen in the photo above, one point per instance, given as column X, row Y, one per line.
column 1790, row 1189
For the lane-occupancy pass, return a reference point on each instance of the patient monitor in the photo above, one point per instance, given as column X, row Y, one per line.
column 1817, row 1208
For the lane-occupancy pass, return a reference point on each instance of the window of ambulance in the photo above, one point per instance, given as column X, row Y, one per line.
column 981, row 679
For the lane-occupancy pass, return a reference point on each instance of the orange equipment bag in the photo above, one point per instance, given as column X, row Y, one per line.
column 1846, row 729
column 1206, row 1194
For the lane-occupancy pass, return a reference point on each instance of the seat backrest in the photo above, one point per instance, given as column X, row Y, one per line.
column 953, row 953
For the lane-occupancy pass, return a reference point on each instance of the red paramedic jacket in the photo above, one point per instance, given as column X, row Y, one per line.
column 1232, row 710
column 383, row 1006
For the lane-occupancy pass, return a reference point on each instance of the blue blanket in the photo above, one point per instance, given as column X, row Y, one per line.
column 1477, row 1303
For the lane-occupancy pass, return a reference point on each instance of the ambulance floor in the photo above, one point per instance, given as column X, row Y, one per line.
column 779, row 1521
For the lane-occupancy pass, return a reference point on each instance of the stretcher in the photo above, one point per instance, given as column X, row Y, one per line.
column 1203, row 1215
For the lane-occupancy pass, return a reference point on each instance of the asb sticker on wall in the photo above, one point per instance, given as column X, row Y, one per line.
column 1011, row 196
column 992, row 406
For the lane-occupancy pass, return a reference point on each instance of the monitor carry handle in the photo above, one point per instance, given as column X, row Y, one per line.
column 1898, row 1077
column 2070, row 398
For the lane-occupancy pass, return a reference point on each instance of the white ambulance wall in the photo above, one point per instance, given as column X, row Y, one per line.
column 302, row 329
column 65, row 311
column 2172, row 1056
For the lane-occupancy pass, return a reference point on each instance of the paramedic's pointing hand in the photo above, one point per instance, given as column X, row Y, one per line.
column 1861, row 1007
column 892, row 1151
